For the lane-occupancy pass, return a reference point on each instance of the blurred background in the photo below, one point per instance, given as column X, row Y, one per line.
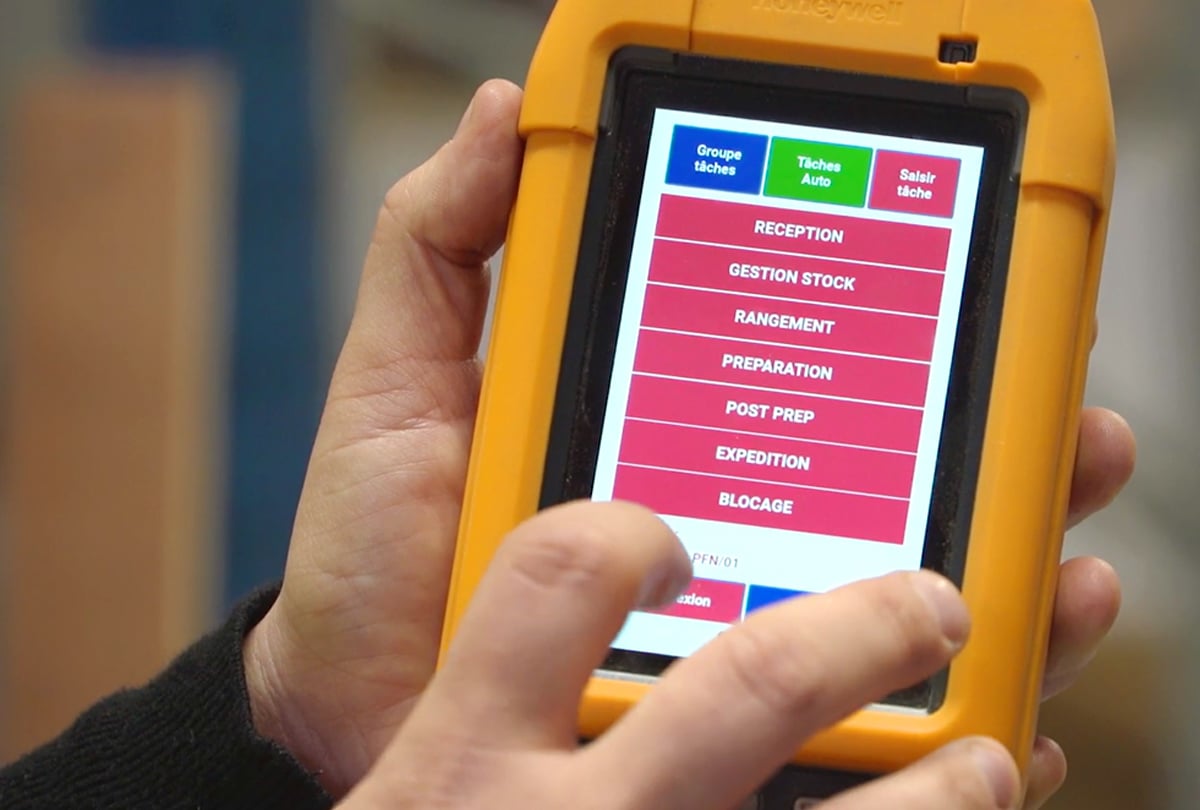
column 187, row 188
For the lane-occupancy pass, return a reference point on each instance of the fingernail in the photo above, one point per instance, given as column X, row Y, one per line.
column 948, row 604
column 996, row 766
column 663, row 587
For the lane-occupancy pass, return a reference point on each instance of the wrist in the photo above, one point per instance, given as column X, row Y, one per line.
column 275, row 713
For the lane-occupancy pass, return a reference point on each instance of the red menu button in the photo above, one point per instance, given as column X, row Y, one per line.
column 915, row 184
column 708, row 601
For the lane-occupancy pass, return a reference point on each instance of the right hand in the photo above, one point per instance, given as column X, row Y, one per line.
column 496, row 727
column 350, row 646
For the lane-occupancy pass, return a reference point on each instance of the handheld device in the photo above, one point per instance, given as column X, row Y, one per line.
column 824, row 271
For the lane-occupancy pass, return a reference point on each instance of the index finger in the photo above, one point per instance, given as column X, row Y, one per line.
column 731, row 715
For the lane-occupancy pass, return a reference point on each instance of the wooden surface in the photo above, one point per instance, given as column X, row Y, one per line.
column 114, row 368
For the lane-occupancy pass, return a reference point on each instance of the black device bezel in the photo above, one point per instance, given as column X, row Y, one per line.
column 641, row 81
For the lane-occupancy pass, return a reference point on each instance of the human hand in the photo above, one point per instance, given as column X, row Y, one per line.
column 337, row 665
column 1089, row 591
column 352, row 640
column 496, row 727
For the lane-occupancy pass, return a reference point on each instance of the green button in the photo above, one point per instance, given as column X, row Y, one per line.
column 818, row 172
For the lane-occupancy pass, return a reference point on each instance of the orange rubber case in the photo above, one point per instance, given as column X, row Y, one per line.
column 1050, row 51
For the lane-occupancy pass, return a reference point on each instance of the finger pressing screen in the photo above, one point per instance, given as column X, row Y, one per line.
column 720, row 723
column 545, row 614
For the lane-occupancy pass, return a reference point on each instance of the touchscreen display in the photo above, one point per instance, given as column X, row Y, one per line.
column 785, row 346
column 783, row 328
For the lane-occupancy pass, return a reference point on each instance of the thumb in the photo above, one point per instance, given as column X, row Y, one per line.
column 391, row 452
column 354, row 634
column 424, row 289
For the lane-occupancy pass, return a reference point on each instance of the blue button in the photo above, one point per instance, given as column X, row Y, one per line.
column 722, row 161
column 761, row 597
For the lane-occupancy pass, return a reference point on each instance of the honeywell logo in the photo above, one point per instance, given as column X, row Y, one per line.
column 879, row 12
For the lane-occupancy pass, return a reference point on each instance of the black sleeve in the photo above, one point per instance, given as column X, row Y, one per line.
column 185, row 741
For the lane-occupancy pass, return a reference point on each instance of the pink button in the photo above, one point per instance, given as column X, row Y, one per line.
column 794, row 324
column 915, row 184
column 782, row 369
column 833, row 514
column 805, row 233
column 784, row 461
column 789, row 415
column 708, row 601
column 748, row 271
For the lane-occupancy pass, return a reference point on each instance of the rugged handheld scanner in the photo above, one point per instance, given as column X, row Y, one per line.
column 815, row 281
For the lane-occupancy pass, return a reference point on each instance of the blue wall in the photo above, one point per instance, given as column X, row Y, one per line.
column 276, row 391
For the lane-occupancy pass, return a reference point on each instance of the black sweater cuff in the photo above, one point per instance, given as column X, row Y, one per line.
column 184, row 741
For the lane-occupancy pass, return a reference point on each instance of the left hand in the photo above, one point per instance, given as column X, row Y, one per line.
column 1089, row 592
column 336, row 666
